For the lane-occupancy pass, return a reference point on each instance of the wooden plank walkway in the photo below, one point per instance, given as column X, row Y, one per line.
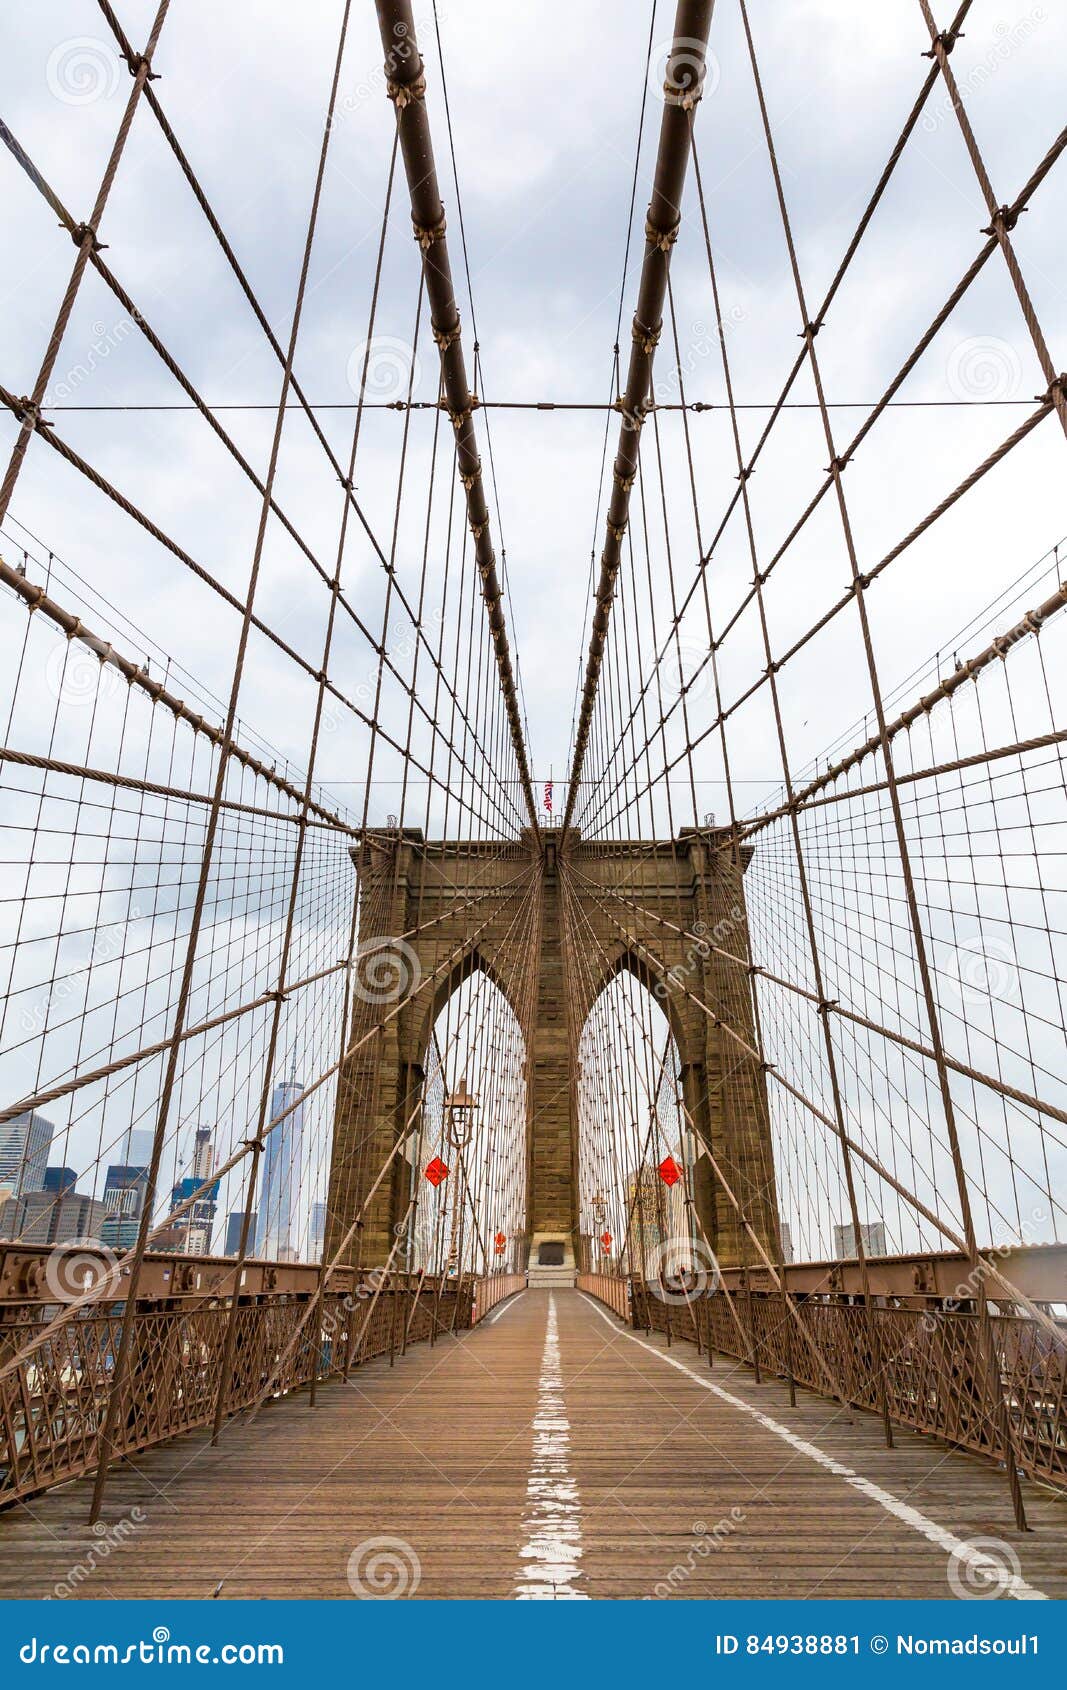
column 548, row 1453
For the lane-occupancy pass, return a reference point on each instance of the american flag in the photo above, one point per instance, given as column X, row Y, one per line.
column 548, row 796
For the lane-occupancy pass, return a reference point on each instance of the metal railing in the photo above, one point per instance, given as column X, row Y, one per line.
column 494, row 1289
column 54, row 1396
column 931, row 1363
column 609, row 1289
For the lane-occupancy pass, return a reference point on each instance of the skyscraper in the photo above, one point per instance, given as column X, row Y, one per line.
column 872, row 1233
column 234, row 1221
column 192, row 1232
column 24, row 1146
column 281, row 1172
column 58, row 1179
column 318, row 1232
column 124, row 1193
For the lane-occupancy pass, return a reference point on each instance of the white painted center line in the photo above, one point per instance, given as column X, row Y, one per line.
column 552, row 1521
column 969, row 1553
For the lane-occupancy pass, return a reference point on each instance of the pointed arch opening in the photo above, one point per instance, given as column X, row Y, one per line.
column 636, row 1149
column 466, row 1210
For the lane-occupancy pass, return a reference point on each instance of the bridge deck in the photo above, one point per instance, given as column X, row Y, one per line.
column 548, row 1453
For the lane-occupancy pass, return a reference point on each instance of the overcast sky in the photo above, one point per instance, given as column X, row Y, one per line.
column 545, row 104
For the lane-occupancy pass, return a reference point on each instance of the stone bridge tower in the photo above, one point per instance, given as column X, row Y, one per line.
column 461, row 904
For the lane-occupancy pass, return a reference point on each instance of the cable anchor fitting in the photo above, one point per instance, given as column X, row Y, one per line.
column 447, row 337
column 644, row 337
column 405, row 94
column 427, row 233
column 662, row 239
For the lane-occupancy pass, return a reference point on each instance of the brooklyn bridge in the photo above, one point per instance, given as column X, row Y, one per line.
column 428, row 1169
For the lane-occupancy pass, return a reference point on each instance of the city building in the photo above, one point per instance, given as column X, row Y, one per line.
column 43, row 1217
column 317, row 1240
column 873, row 1233
column 59, row 1179
column 192, row 1232
column 124, row 1191
column 234, row 1222
column 24, row 1144
column 281, row 1172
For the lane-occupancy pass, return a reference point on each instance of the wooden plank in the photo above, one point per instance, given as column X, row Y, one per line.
column 436, row 1452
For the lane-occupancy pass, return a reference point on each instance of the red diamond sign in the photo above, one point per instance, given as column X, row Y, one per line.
column 436, row 1171
column 669, row 1171
column 605, row 1239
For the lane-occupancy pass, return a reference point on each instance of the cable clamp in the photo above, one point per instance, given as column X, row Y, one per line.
column 945, row 39
column 470, row 481
column 662, row 239
column 617, row 529
column 624, row 481
column 743, row 474
column 478, row 529
column 635, row 418
column 79, row 232
column 1004, row 219
column 134, row 61
column 644, row 337
column 838, row 464
column 460, row 419
column 405, row 94
column 447, row 337
column 30, row 413
column 826, row 1005
column 427, row 233
column 1056, row 390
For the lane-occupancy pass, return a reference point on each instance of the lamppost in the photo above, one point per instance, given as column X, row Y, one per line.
column 461, row 1108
